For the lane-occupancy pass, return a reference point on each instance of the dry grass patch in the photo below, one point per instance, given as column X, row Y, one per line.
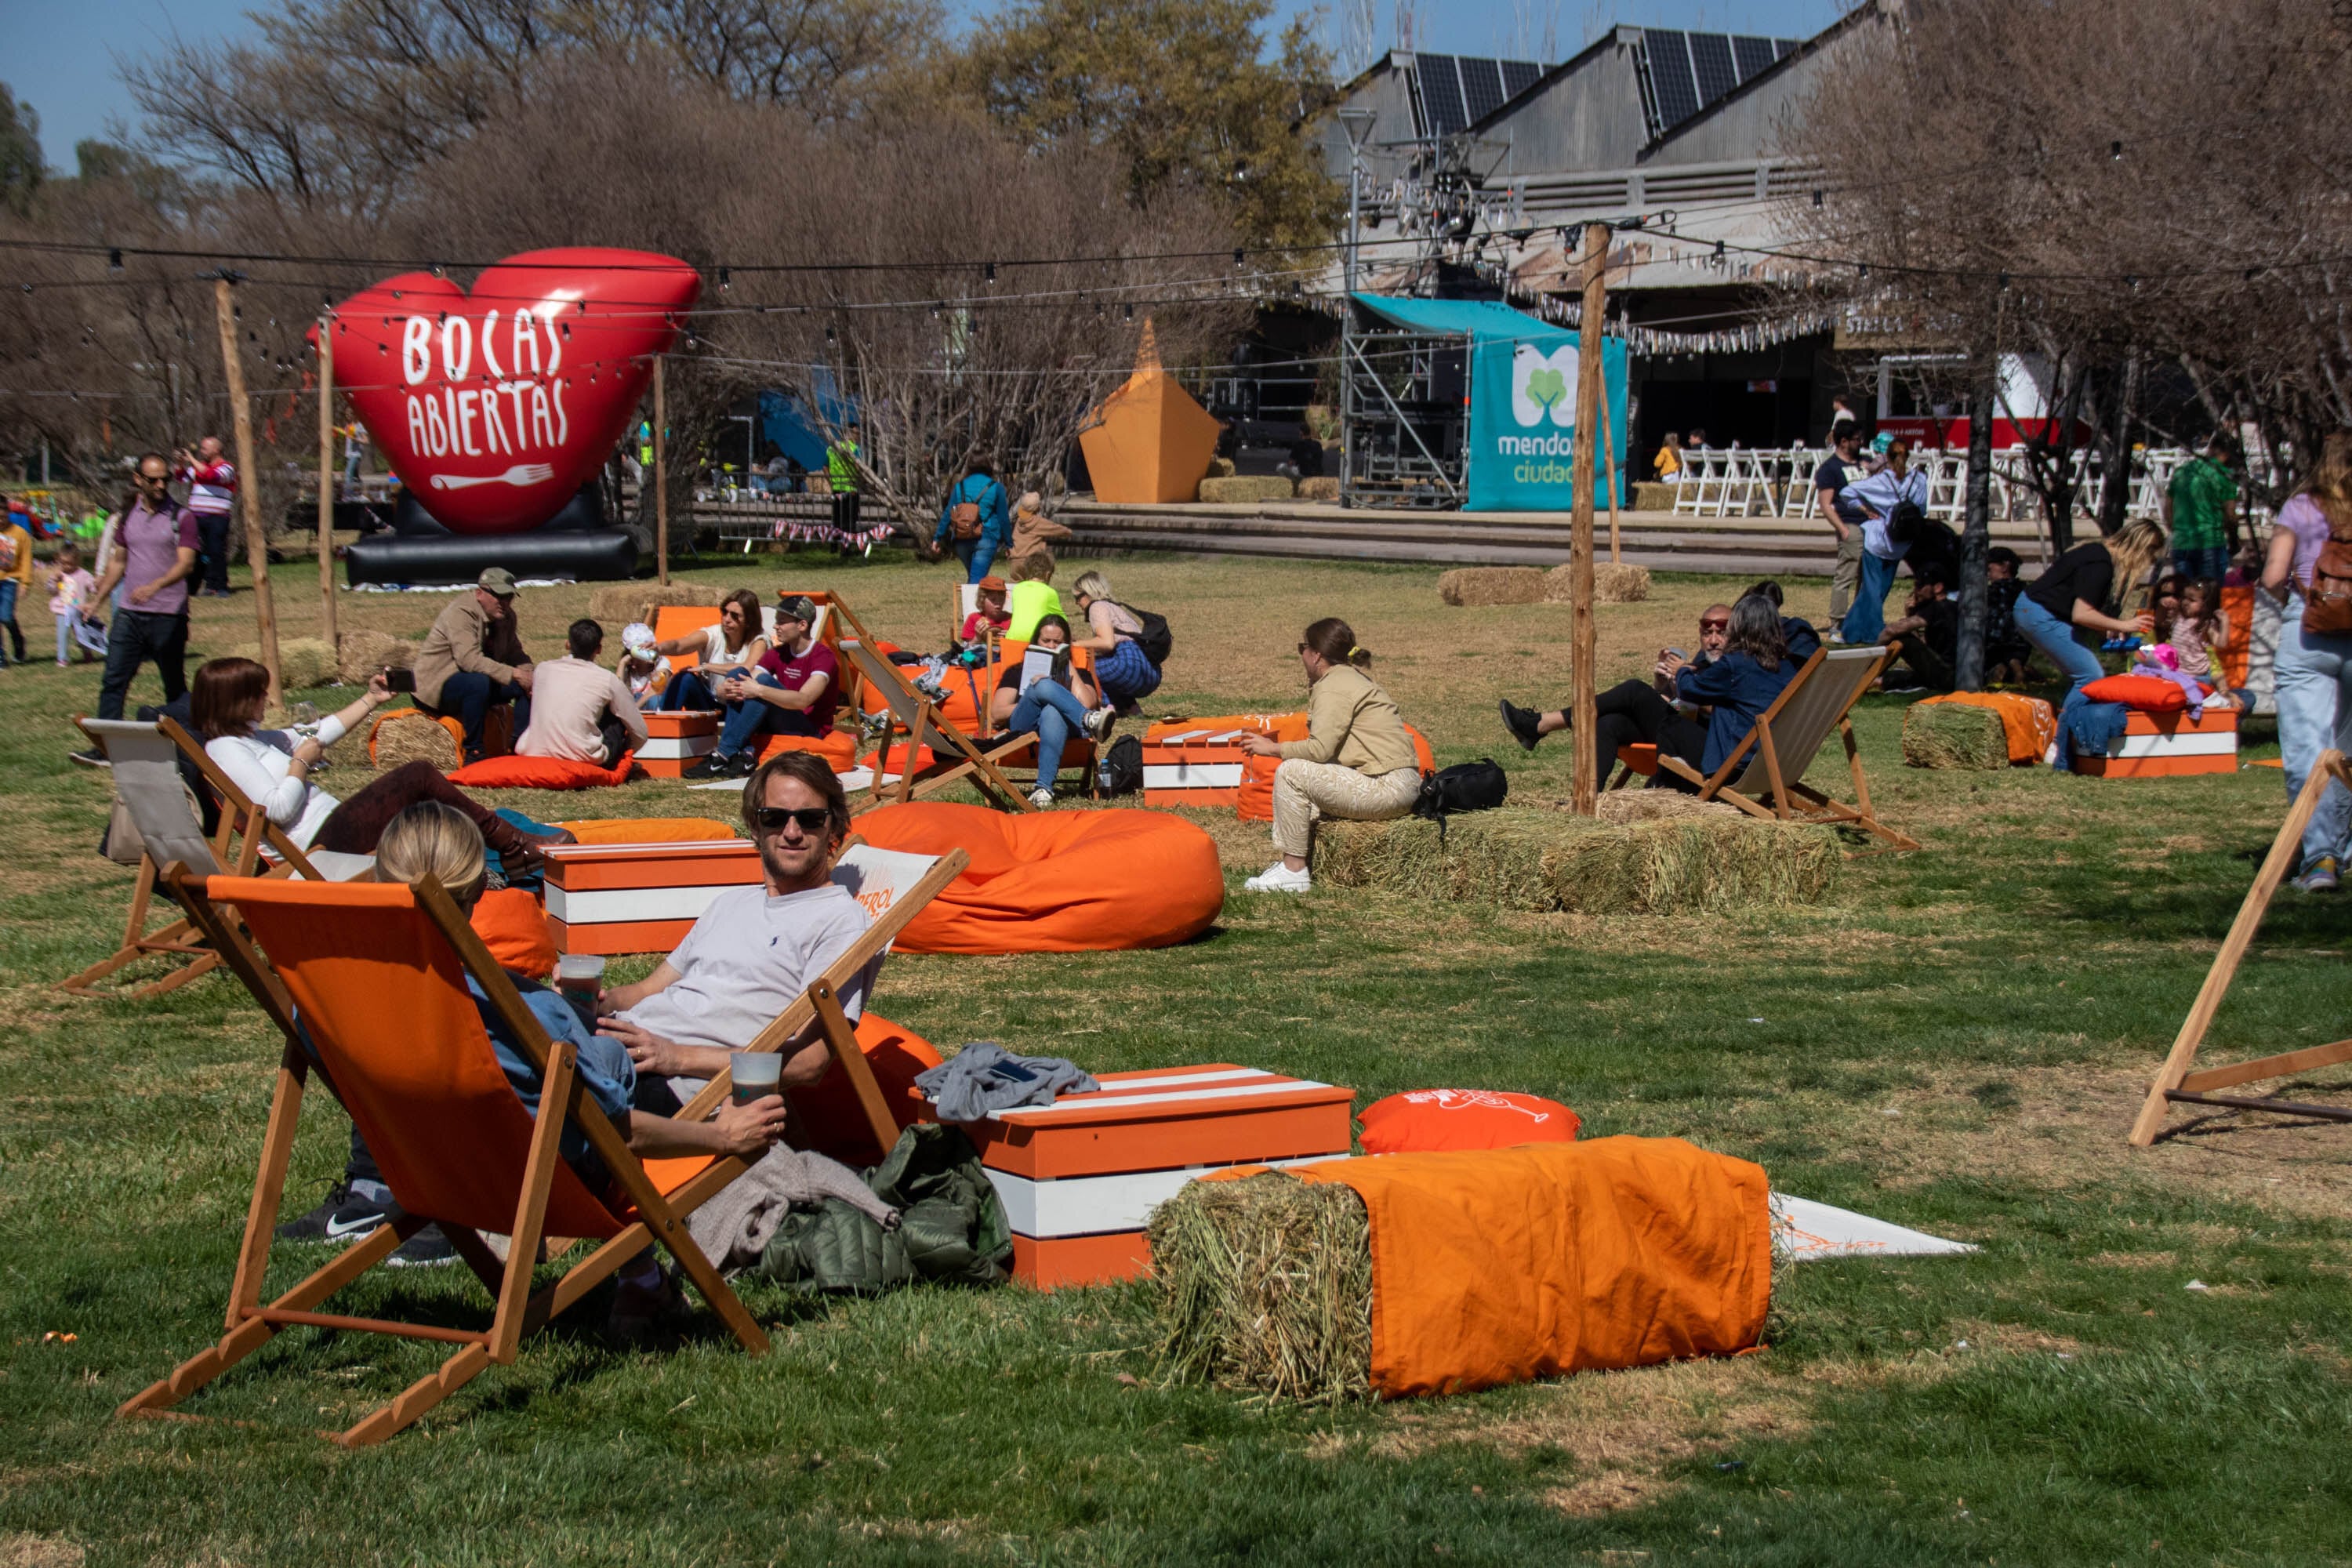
column 24, row 1550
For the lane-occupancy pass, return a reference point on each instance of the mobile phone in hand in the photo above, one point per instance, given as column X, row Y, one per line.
column 399, row 679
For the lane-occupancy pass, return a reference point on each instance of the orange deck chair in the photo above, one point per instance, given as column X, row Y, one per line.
column 456, row 1147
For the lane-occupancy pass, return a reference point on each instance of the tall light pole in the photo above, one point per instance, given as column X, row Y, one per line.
column 1356, row 120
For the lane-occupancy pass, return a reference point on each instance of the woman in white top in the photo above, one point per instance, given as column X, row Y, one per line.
column 272, row 769
column 733, row 647
column 1878, row 495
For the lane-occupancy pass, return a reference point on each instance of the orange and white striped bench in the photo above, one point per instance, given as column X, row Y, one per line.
column 1080, row 1177
column 2168, row 746
column 1199, row 762
column 675, row 741
column 644, row 898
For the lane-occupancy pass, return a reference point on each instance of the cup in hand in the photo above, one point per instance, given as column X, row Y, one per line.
column 580, row 977
column 756, row 1075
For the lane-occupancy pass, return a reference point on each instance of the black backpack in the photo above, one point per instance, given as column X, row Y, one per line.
column 1466, row 786
column 1156, row 641
column 1121, row 769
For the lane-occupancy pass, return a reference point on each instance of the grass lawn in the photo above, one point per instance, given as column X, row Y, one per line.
column 1956, row 1042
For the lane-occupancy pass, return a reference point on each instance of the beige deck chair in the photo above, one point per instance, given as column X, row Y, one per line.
column 1770, row 764
column 919, row 717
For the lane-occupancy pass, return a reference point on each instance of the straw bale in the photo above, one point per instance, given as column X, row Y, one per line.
column 410, row 736
column 1321, row 487
column 302, row 662
column 1614, row 582
column 1637, row 805
column 1954, row 735
column 1220, row 469
column 617, row 605
column 1649, row 495
column 1247, row 488
column 1266, row 1284
column 1475, row 586
column 1542, row 859
column 362, row 653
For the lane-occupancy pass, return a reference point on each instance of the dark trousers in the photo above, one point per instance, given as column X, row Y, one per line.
column 467, row 697
column 1631, row 712
column 616, row 737
column 353, row 827
column 212, row 544
column 134, row 637
column 1933, row 670
column 844, row 510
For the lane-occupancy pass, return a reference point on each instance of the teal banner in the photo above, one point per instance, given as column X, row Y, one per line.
column 1523, row 375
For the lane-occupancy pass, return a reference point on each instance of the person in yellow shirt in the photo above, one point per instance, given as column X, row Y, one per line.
column 1670, row 460
column 1031, row 598
column 16, row 576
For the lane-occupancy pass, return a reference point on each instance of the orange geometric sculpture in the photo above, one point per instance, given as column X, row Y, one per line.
column 1150, row 441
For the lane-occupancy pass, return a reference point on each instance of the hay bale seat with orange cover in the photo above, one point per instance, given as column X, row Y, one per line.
column 1056, row 881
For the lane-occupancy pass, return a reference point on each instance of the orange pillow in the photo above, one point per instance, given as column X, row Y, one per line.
column 840, row 747
column 511, row 925
column 540, row 773
column 1422, row 1120
column 2141, row 694
column 924, row 759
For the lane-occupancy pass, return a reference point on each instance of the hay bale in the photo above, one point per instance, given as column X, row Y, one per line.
column 1220, row 469
column 1614, row 582
column 1248, row 488
column 617, row 605
column 302, row 662
column 1322, row 487
column 1954, row 735
column 1619, row 806
column 359, row 655
column 1266, row 1284
column 1541, row 860
column 1650, row 496
column 408, row 736
column 1474, row 586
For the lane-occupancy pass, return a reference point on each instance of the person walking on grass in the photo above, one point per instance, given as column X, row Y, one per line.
column 1357, row 762
column 2200, row 507
column 2314, row 668
column 153, row 554
column 1840, row 469
column 16, row 577
column 977, row 518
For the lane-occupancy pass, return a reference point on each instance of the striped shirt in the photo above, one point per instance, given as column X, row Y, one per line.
column 212, row 487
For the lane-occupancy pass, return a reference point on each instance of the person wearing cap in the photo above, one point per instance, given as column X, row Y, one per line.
column 794, row 693
column 580, row 710
column 473, row 659
column 992, row 616
column 732, row 646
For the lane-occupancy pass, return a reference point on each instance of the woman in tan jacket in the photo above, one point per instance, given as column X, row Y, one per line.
column 1357, row 762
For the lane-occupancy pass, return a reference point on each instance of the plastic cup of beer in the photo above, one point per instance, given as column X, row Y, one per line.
column 581, row 977
column 756, row 1075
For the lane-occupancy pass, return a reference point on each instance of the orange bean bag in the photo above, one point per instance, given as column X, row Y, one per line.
column 1056, row 881
column 831, row 1120
column 839, row 747
column 1255, row 803
column 541, row 773
column 649, row 829
column 514, row 927
column 896, row 752
column 1425, row 1119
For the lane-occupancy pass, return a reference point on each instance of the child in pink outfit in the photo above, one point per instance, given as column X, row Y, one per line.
column 69, row 586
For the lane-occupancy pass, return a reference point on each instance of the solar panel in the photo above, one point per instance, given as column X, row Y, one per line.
column 1482, row 86
column 1752, row 55
column 1443, row 112
column 1670, row 77
column 1783, row 48
column 1711, row 59
column 1518, row 75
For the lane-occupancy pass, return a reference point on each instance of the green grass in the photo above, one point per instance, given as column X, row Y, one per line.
column 1957, row 1043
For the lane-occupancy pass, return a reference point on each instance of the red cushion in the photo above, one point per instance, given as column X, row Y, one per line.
column 2141, row 694
column 540, row 773
column 1421, row 1120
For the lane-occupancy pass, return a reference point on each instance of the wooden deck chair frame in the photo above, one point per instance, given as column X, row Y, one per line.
column 2176, row 1081
column 180, row 937
column 519, row 1311
column 1792, row 798
column 919, row 717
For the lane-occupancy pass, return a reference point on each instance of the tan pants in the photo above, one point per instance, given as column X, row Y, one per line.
column 1304, row 791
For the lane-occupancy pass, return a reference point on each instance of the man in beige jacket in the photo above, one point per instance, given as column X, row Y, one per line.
column 474, row 658
column 581, row 712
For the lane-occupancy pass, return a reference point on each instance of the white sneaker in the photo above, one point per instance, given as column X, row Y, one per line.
column 1041, row 798
column 1098, row 721
column 1280, row 879
column 2049, row 756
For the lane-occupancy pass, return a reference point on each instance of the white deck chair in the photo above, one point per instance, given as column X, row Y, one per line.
column 1770, row 764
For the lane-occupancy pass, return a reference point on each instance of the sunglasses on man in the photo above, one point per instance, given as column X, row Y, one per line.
column 812, row 819
column 1715, row 624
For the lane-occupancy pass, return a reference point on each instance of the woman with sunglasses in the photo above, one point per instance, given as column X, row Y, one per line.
column 1654, row 714
column 153, row 552
column 1357, row 762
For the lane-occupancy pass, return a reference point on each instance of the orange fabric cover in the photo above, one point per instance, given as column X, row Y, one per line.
column 418, row 1078
column 2027, row 721
column 676, row 621
column 2238, row 649
column 2140, row 693
column 832, row 1120
column 1424, row 758
column 514, row 927
column 1421, row 1120
column 540, row 773
column 840, row 748
column 1255, row 802
column 650, row 829
column 924, row 759
column 457, row 730
column 1640, row 756
column 1056, row 881
column 1494, row 1266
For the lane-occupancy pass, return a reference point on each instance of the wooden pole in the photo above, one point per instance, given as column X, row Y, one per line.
column 661, row 476
column 327, row 477
column 1583, row 649
column 1609, row 455
column 256, row 548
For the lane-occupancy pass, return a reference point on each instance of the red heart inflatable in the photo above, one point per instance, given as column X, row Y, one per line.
column 495, row 404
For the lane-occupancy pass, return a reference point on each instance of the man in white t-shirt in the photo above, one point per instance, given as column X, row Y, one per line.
column 580, row 710
column 755, row 950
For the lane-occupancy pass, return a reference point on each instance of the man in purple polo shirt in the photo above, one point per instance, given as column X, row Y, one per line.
column 155, row 554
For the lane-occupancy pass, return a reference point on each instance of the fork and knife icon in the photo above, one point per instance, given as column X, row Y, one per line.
column 521, row 476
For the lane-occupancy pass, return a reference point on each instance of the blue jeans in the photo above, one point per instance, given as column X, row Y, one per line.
column 2195, row 564
column 2057, row 642
column 977, row 555
column 689, row 690
column 467, row 697
column 8, row 587
column 1867, row 618
column 749, row 720
column 2314, row 678
column 1050, row 711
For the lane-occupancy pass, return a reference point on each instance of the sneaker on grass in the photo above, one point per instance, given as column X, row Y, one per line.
column 343, row 1217
column 2318, row 876
column 1521, row 722
column 1280, row 879
column 1041, row 798
column 428, row 1249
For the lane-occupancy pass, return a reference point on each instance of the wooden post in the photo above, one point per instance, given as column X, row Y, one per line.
column 661, row 476
column 1609, row 455
column 1583, row 645
column 256, row 548
column 326, row 479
